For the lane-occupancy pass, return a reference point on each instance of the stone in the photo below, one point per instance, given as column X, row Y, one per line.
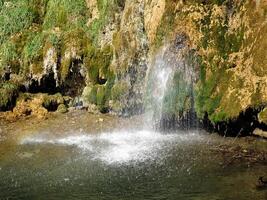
column 92, row 108
column 259, row 132
column 62, row 108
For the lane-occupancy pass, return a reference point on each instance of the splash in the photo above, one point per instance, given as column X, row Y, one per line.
column 118, row 147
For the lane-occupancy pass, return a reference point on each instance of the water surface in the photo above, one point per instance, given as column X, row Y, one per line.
column 71, row 161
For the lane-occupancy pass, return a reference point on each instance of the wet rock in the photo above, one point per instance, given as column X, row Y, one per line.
column 32, row 106
column 37, row 105
column 9, row 94
column 263, row 116
column 62, row 108
column 71, row 109
column 92, row 108
column 259, row 132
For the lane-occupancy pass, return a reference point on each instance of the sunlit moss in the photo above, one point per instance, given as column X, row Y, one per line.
column 65, row 13
column 15, row 16
column 263, row 116
column 119, row 90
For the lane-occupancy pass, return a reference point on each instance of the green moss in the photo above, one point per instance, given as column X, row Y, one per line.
column 215, row 78
column 178, row 97
column 104, row 94
column 72, row 39
column 65, row 13
column 14, row 17
column 97, row 61
column 54, row 40
column 119, row 90
column 167, row 23
column 33, row 48
column 100, row 96
column 33, row 54
column 8, row 54
column 55, row 99
column 62, row 108
column 25, row 97
column 92, row 95
column 210, row 91
column 107, row 10
column 9, row 93
column 263, row 116
column 1, row 4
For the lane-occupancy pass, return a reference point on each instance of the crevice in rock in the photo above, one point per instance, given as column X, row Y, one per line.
column 6, row 76
column 47, row 84
column 10, row 104
column 51, row 107
column 101, row 81
column 75, row 82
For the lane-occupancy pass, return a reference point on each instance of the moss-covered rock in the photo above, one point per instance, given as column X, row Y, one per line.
column 119, row 90
column 62, row 108
column 232, row 73
column 38, row 105
column 263, row 116
column 8, row 95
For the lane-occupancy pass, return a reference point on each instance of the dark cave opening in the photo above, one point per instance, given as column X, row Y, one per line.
column 47, row 84
column 101, row 81
column 243, row 125
column 51, row 106
column 75, row 82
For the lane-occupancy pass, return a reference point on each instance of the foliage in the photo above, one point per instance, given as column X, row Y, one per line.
column 106, row 9
column 15, row 16
column 65, row 13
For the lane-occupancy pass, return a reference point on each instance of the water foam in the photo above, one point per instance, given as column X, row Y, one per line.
column 116, row 147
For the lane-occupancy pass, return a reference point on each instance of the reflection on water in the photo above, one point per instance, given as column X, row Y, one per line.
column 126, row 164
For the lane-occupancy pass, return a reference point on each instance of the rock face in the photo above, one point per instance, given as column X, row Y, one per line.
column 101, row 51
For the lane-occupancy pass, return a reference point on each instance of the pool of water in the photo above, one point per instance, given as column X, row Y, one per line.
column 125, row 163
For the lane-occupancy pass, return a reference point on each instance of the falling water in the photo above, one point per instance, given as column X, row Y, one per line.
column 159, row 76
column 170, row 86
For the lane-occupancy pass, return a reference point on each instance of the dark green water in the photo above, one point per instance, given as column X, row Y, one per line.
column 130, row 164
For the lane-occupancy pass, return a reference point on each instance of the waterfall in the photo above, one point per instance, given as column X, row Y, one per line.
column 169, row 101
column 159, row 76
